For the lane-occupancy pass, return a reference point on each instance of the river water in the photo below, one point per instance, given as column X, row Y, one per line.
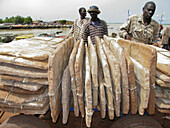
column 111, row 28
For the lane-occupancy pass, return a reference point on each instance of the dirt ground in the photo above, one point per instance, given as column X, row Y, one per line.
column 97, row 121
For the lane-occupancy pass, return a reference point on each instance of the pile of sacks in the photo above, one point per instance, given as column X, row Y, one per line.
column 163, row 80
column 24, row 74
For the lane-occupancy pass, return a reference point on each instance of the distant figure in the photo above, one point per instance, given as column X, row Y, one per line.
column 160, row 29
column 77, row 28
column 166, row 38
column 141, row 28
column 95, row 27
column 159, row 43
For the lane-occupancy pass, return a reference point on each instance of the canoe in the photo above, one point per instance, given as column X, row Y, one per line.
column 24, row 36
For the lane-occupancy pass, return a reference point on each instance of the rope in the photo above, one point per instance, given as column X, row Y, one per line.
column 7, row 96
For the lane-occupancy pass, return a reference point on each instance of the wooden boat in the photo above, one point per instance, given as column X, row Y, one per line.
column 24, row 36
column 6, row 38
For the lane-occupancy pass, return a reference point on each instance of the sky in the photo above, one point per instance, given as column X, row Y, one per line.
column 112, row 11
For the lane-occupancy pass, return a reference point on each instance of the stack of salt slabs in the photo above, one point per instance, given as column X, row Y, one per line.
column 163, row 80
column 144, row 59
column 99, row 78
column 24, row 75
column 108, row 77
column 68, row 82
column 82, row 65
column 59, row 82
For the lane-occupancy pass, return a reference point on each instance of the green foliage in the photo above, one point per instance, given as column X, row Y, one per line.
column 11, row 20
column 63, row 21
column 18, row 20
column 40, row 20
column 1, row 21
column 6, row 20
column 28, row 20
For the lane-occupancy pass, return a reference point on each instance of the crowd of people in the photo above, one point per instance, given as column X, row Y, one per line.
column 141, row 28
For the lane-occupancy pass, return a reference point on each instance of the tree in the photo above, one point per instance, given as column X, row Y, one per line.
column 28, row 20
column 1, row 21
column 63, row 21
column 19, row 20
column 11, row 19
column 6, row 20
column 40, row 20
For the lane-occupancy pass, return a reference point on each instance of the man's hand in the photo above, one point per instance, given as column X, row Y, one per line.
column 165, row 46
column 156, row 44
column 127, row 37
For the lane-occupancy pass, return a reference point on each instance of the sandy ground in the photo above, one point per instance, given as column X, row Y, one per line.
column 97, row 121
column 6, row 115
